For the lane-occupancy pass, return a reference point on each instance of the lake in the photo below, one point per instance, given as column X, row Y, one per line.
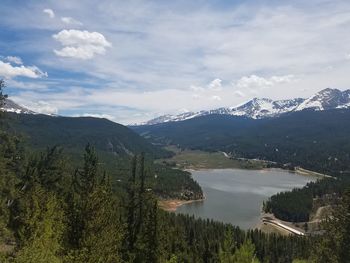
column 236, row 196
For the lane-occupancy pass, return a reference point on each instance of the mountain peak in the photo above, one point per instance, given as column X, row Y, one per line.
column 259, row 108
column 11, row 106
column 326, row 99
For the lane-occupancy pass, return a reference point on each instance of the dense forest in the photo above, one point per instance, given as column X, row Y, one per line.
column 51, row 215
column 314, row 140
column 54, row 209
column 114, row 143
column 297, row 205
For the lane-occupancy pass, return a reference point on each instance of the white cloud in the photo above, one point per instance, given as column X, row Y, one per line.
column 196, row 88
column 254, row 81
column 282, row 79
column 71, row 21
column 8, row 71
column 196, row 96
column 49, row 12
column 14, row 59
column 96, row 115
column 27, row 85
column 158, row 52
column 215, row 97
column 215, row 85
column 42, row 107
column 348, row 56
column 81, row 44
column 239, row 93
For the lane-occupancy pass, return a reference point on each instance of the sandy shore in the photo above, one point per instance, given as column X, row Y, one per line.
column 303, row 171
column 172, row 204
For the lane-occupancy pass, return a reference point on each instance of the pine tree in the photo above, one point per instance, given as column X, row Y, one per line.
column 131, row 201
column 41, row 228
column 246, row 253
column 142, row 229
column 227, row 249
column 334, row 244
column 148, row 243
column 94, row 219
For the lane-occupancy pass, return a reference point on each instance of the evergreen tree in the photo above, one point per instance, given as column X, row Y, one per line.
column 246, row 253
column 47, row 169
column 41, row 229
column 227, row 249
column 334, row 244
column 11, row 156
column 142, row 231
column 95, row 218
column 131, row 207
column 148, row 242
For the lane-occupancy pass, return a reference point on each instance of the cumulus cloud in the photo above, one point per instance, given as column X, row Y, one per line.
column 49, row 12
column 239, row 93
column 42, row 107
column 157, row 50
column 81, row 44
column 8, row 71
column 215, row 85
column 71, row 21
column 254, row 81
column 196, row 88
column 215, row 97
column 14, row 59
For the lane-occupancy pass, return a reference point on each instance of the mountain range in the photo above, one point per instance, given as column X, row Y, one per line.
column 257, row 108
column 260, row 108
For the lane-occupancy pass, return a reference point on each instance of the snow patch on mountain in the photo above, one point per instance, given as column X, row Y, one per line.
column 266, row 108
column 11, row 106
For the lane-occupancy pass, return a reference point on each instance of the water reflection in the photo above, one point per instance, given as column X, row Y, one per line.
column 236, row 196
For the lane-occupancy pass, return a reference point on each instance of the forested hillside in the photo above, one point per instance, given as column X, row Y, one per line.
column 52, row 213
column 73, row 133
column 315, row 140
column 113, row 142
column 49, row 214
column 297, row 205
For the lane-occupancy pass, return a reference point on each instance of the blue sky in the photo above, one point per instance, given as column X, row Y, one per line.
column 131, row 61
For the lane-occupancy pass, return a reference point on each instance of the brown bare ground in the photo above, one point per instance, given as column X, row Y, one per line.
column 172, row 204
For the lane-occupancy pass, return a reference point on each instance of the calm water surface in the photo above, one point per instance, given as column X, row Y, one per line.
column 236, row 196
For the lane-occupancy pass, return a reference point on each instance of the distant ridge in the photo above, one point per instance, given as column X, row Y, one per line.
column 259, row 108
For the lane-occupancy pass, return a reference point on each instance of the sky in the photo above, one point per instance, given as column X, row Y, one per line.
column 131, row 61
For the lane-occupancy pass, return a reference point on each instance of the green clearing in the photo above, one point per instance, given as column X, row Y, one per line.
column 195, row 159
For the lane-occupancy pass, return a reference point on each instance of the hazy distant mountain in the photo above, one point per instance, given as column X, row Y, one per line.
column 262, row 108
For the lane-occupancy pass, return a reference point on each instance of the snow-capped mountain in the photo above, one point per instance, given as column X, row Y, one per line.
column 327, row 99
column 263, row 108
column 11, row 106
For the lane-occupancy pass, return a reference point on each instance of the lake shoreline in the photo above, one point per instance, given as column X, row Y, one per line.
column 242, row 187
column 171, row 205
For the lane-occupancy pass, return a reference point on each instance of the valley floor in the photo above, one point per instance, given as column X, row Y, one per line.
column 199, row 160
